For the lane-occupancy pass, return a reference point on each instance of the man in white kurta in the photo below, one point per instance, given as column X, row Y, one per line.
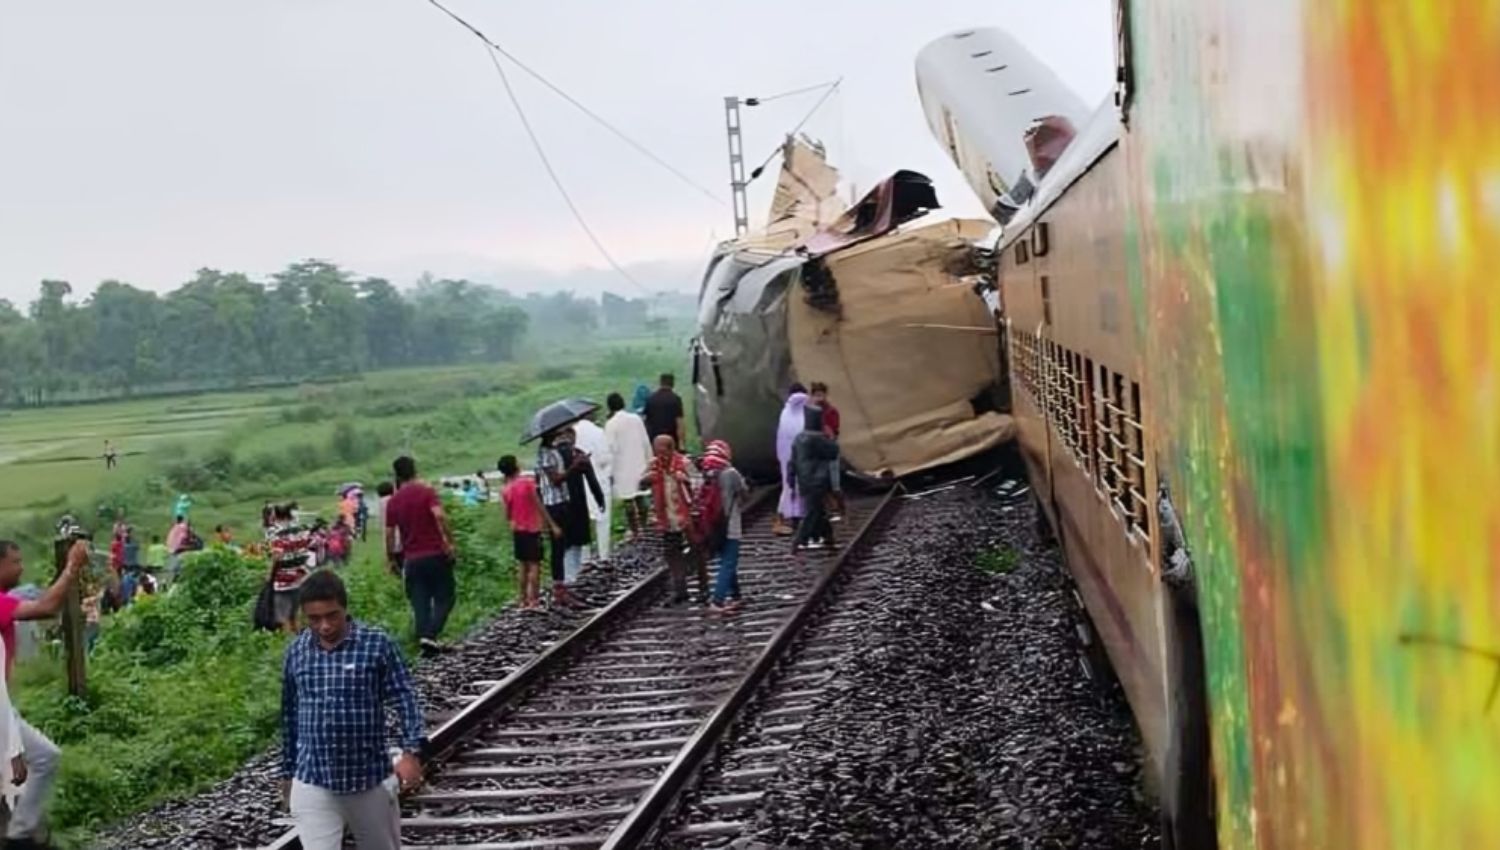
column 591, row 440
column 630, row 453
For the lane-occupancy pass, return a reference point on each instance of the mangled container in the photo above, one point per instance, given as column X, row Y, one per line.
column 872, row 300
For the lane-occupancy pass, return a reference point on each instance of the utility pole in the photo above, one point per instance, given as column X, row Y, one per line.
column 737, row 180
column 72, row 621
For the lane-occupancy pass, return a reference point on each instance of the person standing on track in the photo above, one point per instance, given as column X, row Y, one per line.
column 36, row 768
column 672, row 495
column 718, row 464
column 818, row 395
column 552, row 481
column 812, row 454
column 591, row 440
column 425, row 555
column 526, row 514
column 338, row 680
column 581, row 483
column 790, row 508
column 664, row 415
column 630, row 452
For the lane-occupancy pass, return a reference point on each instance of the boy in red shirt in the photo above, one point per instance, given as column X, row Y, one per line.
column 526, row 515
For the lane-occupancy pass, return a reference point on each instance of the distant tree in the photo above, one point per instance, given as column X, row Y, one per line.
column 223, row 328
column 622, row 313
column 124, row 321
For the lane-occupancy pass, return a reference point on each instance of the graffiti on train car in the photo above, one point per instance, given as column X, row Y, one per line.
column 1316, row 225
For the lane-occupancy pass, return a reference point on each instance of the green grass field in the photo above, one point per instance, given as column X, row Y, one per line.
column 181, row 690
column 280, row 444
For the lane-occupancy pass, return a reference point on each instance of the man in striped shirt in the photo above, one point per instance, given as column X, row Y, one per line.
column 338, row 679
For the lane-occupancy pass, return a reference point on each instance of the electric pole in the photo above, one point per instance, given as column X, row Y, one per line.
column 736, row 166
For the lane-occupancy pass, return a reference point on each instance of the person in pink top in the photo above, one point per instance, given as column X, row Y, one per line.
column 37, row 766
column 527, row 516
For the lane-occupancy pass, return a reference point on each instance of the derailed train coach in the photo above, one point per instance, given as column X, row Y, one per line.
column 1254, row 341
column 878, row 301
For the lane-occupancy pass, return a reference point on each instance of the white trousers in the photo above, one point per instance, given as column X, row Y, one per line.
column 601, row 515
column 42, row 757
column 374, row 816
column 602, row 529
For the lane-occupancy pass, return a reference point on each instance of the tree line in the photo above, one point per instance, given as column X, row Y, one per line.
column 224, row 329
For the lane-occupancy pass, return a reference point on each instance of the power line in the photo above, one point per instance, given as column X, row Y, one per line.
column 757, row 101
column 832, row 87
column 541, row 154
column 642, row 149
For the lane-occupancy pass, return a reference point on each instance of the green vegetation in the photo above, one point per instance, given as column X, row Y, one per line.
column 998, row 561
column 313, row 320
column 182, row 690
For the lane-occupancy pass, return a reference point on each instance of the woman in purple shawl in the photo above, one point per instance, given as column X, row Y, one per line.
column 789, row 511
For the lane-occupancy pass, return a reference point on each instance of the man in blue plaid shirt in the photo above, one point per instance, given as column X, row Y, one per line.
column 338, row 679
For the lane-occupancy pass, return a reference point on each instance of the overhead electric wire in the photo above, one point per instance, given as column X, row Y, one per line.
column 541, row 154
column 832, row 87
column 536, row 75
column 757, row 101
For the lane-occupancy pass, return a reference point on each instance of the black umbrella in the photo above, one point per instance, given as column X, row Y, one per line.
column 556, row 415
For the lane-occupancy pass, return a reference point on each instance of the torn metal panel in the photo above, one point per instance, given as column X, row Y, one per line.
column 911, row 397
column 858, row 303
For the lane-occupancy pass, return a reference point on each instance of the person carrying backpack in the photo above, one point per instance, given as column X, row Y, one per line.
column 814, row 454
column 723, row 521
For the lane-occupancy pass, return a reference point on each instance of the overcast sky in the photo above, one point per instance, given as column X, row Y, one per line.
column 142, row 140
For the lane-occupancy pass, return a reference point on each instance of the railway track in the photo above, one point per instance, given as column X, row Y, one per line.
column 595, row 742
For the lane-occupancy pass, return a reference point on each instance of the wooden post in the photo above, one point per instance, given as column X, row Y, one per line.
column 74, row 648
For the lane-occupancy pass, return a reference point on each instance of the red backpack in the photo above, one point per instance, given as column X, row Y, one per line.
column 710, row 525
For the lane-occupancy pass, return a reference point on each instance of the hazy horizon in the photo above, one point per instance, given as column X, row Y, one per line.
column 144, row 143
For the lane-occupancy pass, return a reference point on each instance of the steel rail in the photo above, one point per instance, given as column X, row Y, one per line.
column 656, row 805
column 514, row 687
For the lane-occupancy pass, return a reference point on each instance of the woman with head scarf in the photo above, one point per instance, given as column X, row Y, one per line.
column 790, row 509
column 719, row 471
column 638, row 402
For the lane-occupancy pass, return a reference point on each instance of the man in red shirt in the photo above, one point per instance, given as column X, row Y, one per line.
column 39, row 758
column 426, row 554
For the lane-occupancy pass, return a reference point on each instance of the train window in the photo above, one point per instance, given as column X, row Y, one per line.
column 1041, row 241
column 1104, row 437
column 1089, row 441
column 1120, row 493
column 1079, row 399
column 1135, row 448
column 1047, row 300
column 1124, row 75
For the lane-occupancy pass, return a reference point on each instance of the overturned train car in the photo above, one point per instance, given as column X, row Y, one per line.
column 876, row 303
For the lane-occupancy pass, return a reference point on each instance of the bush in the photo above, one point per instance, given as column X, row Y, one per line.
column 353, row 445
column 211, row 596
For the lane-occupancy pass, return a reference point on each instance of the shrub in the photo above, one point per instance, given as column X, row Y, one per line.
column 351, row 444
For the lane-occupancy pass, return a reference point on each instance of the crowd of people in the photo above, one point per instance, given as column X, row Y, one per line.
column 636, row 459
column 342, row 775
